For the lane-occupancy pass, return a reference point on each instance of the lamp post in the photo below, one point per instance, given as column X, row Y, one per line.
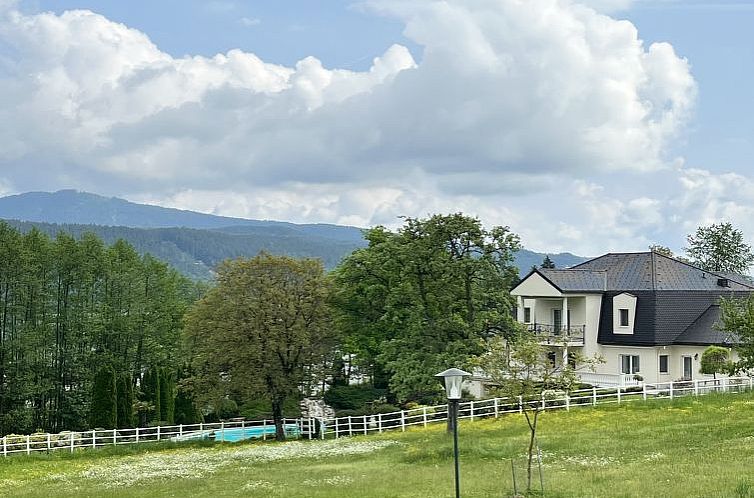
column 453, row 379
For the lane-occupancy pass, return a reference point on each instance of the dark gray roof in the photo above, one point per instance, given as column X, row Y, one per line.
column 575, row 280
column 703, row 331
column 653, row 271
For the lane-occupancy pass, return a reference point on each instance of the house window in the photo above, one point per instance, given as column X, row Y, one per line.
column 629, row 363
column 527, row 315
column 663, row 363
column 623, row 317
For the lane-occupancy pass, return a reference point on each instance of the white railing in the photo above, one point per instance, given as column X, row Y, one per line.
column 608, row 380
column 368, row 424
column 311, row 428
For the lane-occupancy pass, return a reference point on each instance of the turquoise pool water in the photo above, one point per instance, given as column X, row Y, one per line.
column 240, row 434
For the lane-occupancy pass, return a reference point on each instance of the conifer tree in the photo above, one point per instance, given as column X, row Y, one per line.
column 104, row 407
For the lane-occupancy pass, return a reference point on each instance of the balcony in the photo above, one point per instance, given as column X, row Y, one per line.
column 558, row 335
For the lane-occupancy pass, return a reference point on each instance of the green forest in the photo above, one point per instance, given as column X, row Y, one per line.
column 76, row 314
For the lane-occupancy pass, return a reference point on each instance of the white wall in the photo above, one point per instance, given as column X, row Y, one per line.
column 624, row 301
column 535, row 285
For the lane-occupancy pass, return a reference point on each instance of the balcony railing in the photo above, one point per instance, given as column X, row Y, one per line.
column 558, row 334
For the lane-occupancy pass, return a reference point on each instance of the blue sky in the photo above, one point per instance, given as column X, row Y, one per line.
column 294, row 120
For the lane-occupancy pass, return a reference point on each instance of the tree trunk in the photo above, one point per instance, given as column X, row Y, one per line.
column 277, row 417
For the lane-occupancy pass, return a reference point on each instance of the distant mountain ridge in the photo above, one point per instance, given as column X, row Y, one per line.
column 194, row 243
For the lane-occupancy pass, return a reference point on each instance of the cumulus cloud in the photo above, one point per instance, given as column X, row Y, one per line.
column 505, row 98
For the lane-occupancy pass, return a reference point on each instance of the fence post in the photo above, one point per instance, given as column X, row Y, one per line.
column 520, row 404
column 115, row 437
column 751, row 382
column 379, row 423
column 323, row 428
column 180, row 429
column 497, row 409
column 425, row 416
column 365, row 425
column 158, row 432
column 594, row 395
column 28, row 444
column 403, row 421
column 568, row 402
column 644, row 391
column 472, row 410
column 671, row 390
column 725, row 385
column 264, row 429
column 311, row 427
column 696, row 387
column 49, row 445
column 137, row 434
column 94, row 438
column 619, row 388
column 543, row 400
column 222, row 431
column 72, row 434
column 337, row 433
column 5, row 446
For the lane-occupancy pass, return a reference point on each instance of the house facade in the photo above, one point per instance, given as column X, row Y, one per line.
column 648, row 316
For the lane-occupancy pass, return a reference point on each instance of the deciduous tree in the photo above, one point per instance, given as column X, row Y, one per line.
column 261, row 328
column 420, row 299
column 720, row 247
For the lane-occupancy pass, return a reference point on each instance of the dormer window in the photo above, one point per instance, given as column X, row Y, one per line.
column 624, row 313
column 623, row 317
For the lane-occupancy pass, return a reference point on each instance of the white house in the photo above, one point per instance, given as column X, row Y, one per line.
column 647, row 315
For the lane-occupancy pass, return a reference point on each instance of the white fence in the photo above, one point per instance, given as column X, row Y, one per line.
column 311, row 428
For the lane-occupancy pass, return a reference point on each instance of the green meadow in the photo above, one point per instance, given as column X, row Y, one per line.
column 686, row 447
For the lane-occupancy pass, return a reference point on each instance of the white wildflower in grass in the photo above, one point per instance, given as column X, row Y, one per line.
column 127, row 471
column 654, row 456
column 590, row 461
column 327, row 481
column 257, row 485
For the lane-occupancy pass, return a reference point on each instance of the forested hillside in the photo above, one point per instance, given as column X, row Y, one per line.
column 68, row 309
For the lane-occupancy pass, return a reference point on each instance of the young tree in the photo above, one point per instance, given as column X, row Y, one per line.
column 720, row 247
column 547, row 262
column 715, row 360
column 520, row 368
column 260, row 328
column 416, row 301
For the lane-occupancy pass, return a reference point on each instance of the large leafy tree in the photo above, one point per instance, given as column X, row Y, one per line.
column 720, row 247
column 424, row 298
column 261, row 330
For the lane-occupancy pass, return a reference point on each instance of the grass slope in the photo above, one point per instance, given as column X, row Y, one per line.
column 685, row 448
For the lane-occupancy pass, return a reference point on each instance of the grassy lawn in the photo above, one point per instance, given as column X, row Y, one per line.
column 690, row 447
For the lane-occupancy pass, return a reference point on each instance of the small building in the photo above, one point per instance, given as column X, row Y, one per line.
column 648, row 316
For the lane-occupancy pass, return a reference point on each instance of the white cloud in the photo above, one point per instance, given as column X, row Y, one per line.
column 250, row 22
column 509, row 97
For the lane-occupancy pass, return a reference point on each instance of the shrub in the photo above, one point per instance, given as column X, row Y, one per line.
column 352, row 397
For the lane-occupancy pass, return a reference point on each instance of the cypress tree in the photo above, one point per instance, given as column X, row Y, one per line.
column 104, row 407
column 167, row 395
column 125, row 402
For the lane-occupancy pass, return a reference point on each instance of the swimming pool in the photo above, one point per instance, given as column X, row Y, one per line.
column 243, row 433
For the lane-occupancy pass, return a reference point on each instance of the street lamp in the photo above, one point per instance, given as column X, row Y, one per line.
column 453, row 379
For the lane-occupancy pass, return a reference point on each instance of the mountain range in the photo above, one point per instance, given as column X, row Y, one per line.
column 195, row 242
